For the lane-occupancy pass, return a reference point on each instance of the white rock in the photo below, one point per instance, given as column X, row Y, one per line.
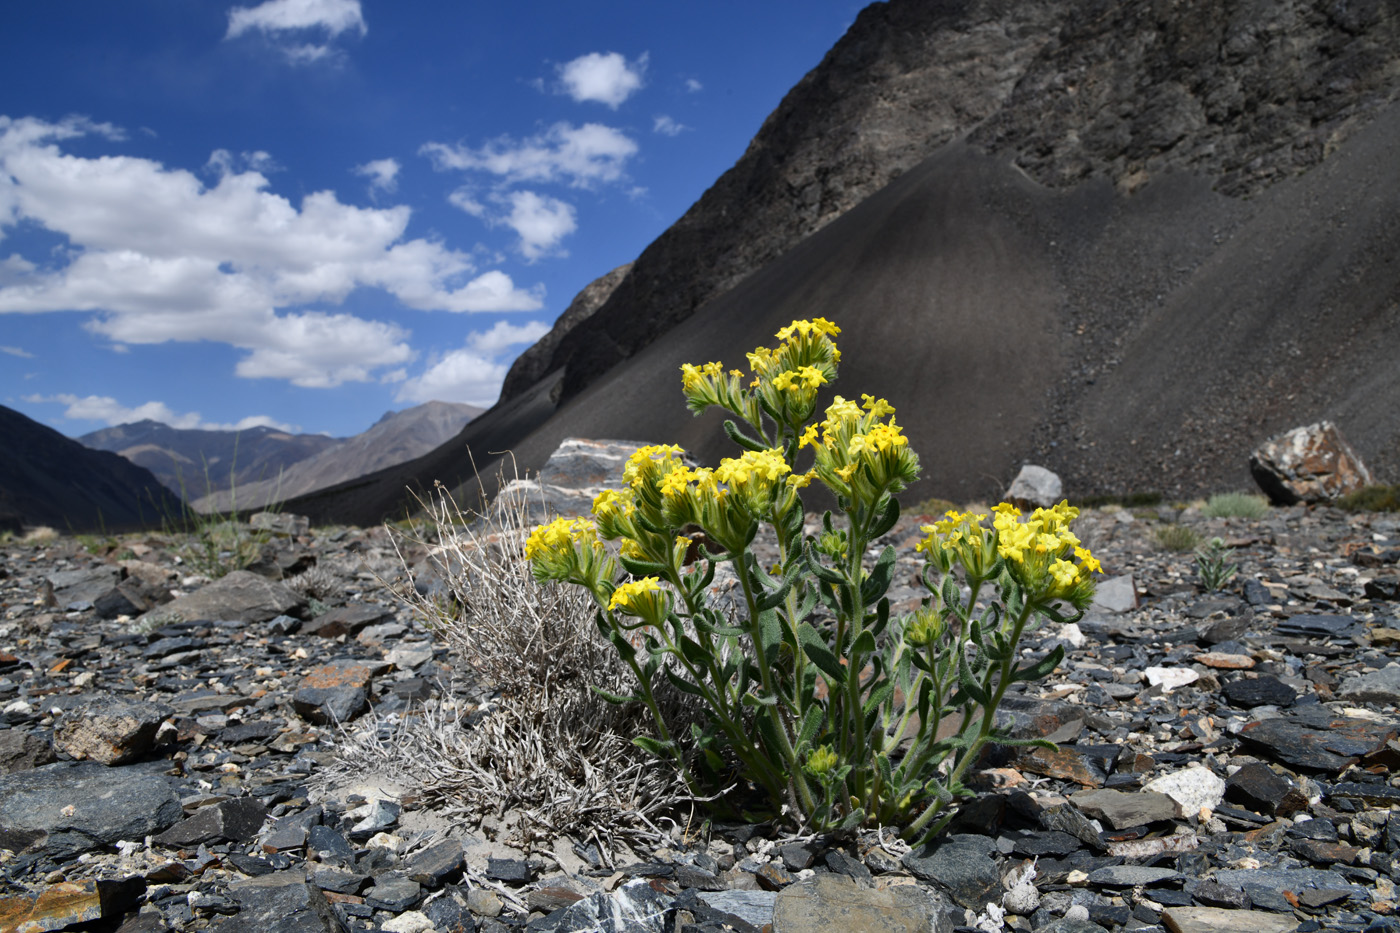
column 1116, row 594
column 1077, row 912
column 1192, row 789
column 410, row 922
column 1035, row 486
column 385, row 841
column 1071, row 635
column 1169, row 678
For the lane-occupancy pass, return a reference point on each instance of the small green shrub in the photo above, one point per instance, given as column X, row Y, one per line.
column 816, row 700
column 1378, row 498
column 1236, row 505
column 1213, row 565
column 1175, row 537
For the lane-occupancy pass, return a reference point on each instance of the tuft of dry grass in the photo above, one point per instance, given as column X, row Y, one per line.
column 542, row 755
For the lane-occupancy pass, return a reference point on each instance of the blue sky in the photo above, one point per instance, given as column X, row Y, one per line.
column 307, row 212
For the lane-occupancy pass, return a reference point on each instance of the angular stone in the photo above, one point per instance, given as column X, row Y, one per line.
column 59, row 906
column 1223, row 661
column 1260, row 788
column 1065, row 763
column 112, row 730
column 1191, row 788
column 1381, row 795
column 1041, row 844
column 1127, row 876
column 333, row 693
column 1066, row 819
column 636, row 907
column 239, row 595
column 1382, row 686
column 1170, row 678
column 410, row 921
column 1250, row 692
column 1216, row 920
column 393, row 893
column 1034, row 488
column 436, row 865
column 835, row 902
column 1270, row 887
column 66, row 808
column 346, row 620
column 1116, row 594
column 23, row 751
column 1121, row 810
column 1320, row 625
column 236, row 820
column 960, row 864
column 327, row 842
column 1308, row 464
column 510, row 870
column 451, row 915
column 752, row 907
column 1317, row 739
column 280, row 903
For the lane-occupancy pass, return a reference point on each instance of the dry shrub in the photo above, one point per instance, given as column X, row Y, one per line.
column 542, row 755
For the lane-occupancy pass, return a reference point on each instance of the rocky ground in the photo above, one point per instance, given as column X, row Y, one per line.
column 1225, row 763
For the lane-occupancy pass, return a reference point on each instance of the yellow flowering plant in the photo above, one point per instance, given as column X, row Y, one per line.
column 813, row 695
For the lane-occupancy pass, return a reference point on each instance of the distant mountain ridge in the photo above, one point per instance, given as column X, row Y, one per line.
column 397, row 437
column 49, row 479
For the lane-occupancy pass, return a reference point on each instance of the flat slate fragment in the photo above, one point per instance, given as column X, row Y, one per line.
column 835, row 902
column 1317, row 739
column 1219, row 920
column 67, row 808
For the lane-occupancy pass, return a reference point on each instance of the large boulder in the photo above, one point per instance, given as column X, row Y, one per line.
column 574, row 474
column 1308, row 464
column 1034, row 488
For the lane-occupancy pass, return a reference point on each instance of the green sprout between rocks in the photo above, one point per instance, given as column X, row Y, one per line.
column 1213, row 565
column 816, row 699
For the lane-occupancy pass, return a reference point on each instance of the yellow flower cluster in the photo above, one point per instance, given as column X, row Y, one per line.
column 785, row 378
column 859, row 455
column 807, row 377
column 820, row 327
column 959, row 538
column 560, row 535
column 1041, row 550
column 627, row 596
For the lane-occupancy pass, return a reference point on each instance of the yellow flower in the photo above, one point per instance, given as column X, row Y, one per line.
column 809, row 436
column 821, row 327
column 1065, row 573
column 646, row 460
column 804, row 377
column 560, row 535
column 608, row 501
column 1089, row 561
column 877, row 406
column 846, row 471
column 838, row 411
column 821, row 761
column 625, row 596
column 799, row 480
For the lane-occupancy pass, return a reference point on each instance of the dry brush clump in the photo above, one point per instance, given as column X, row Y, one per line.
column 542, row 755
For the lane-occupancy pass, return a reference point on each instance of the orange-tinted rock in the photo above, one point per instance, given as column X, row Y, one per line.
column 1220, row 660
column 1308, row 464
column 59, row 906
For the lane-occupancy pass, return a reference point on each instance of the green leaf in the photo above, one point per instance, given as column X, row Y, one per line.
column 757, row 701
column 810, row 724
column 864, row 644
column 772, row 741
column 852, row 820
column 682, row 684
column 617, row 699
column 951, row 597
column 742, row 439
column 643, row 568
column 815, row 647
column 775, row 598
column 880, row 575
column 770, row 630
column 967, row 684
column 887, row 519
column 881, row 618
column 693, row 651
column 1042, row 668
column 878, row 696
column 1012, row 742
column 623, row 646
column 648, row 744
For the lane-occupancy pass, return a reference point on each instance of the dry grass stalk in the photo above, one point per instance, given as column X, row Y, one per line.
column 544, row 756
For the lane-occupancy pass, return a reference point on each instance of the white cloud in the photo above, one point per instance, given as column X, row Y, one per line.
column 539, row 220
column 159, row 256
column 693, row 86
column 580, row 156
column 667, row 126
column 108, row 410
column 474, row 373
column 17, row 351
column 383, row 174
column 504, row 335
column 280, row 19
column 222, row 162
column 606, row 78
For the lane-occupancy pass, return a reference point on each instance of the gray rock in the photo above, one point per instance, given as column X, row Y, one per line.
column 346, row 620
column 836, row 902
column 755, row 907
column 960, row 864
column 635, row 907
column 1218, row 920
column 23, row 751
column 112, row 730
column 280, row 903
column 239, row 595
column 1034, row 487
column 66, row 808
column 1382, row 686
column 437, row 864
column 68, row 903
column 1259, row 787
column 236, row 820
column 1265, row 886
column 1116, row 594
column 1127, row 876
column 326, row 842
column 1121, row 810
column 393, row 893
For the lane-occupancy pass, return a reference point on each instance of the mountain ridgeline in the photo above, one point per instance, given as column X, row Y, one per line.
column 1126, row 241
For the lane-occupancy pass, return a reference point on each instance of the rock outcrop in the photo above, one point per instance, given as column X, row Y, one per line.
column 1308, row 464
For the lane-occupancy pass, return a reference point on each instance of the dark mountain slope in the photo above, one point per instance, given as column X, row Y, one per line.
column 1096, row 331
column 49, row 479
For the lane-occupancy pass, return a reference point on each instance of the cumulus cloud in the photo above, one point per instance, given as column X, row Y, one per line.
column 283, row 20
column 693, row 86
column 540, row 221
column 159, row 256
column 579, row 156
column 108, row 410
column 605, row 77
column 383, row 174
column 473, row 373
column 667, row 126
column 17, row 351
